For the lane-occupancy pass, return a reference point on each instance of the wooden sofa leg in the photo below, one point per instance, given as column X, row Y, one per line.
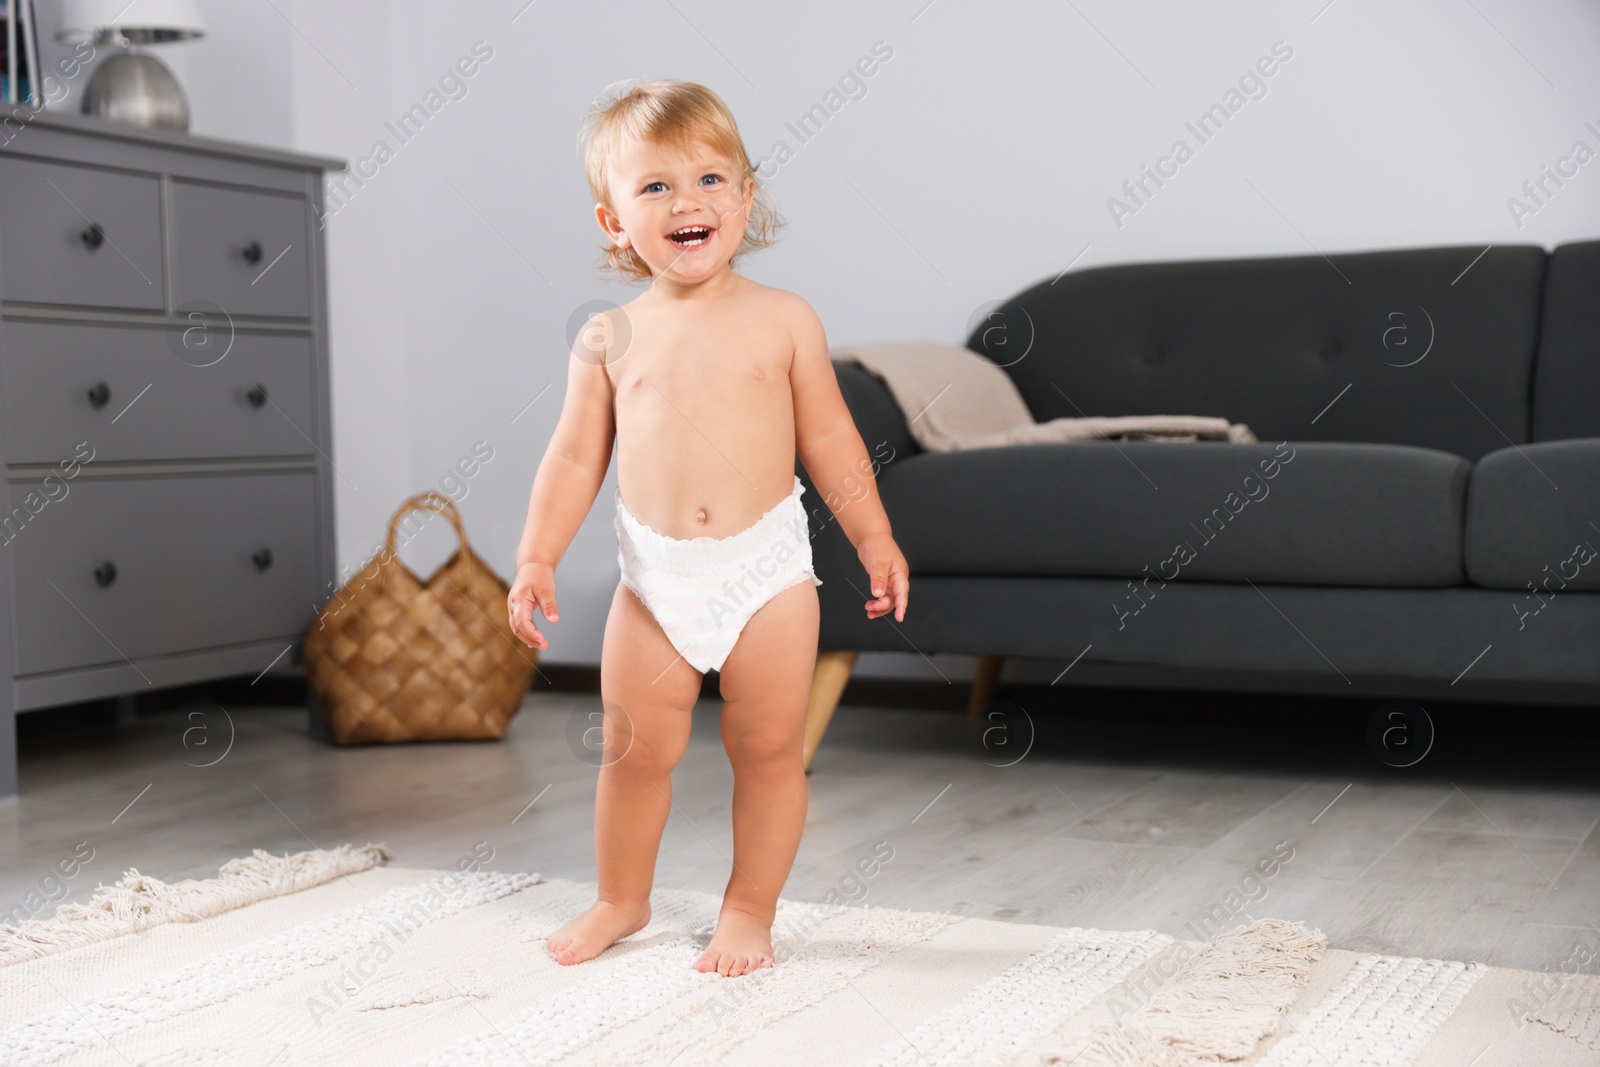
column 984, row 679
column 827, row 685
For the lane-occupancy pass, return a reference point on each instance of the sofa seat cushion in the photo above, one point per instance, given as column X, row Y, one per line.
column 1315, row 513
column 1532, row 520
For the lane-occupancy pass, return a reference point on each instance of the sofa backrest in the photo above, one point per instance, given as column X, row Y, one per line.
column 1432, row 347
column 1566, row 389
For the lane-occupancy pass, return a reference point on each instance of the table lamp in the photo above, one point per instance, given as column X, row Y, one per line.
column 129, row 86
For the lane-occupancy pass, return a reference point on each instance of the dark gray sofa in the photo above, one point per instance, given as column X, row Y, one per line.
column 1412, row 523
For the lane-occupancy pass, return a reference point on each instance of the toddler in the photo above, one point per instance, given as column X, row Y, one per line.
column 709, row 384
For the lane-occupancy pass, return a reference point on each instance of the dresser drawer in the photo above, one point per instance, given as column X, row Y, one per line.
column 244, row 250
column 126, row 391
column 133, row 567
column 71, row 235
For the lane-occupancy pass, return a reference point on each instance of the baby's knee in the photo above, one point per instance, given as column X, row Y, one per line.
column 641, row 758
column 763, row 749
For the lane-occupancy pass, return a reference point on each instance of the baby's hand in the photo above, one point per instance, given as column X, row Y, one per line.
column 533, row 587
column 887, row 574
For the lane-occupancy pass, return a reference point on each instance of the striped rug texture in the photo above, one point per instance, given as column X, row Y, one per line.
column 330, row 957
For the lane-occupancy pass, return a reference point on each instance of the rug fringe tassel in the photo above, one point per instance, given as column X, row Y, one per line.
column 138, row 902
column 1216, row 1008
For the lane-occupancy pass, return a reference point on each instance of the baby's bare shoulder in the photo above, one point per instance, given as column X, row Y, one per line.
column 791, row 308
column 637, row 306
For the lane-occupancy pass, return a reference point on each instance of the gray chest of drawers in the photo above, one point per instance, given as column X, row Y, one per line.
column 164, row 410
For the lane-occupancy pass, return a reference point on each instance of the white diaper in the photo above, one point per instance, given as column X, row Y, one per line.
column 702, row 591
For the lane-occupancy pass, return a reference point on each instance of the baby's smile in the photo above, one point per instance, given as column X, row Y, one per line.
column 691, row 237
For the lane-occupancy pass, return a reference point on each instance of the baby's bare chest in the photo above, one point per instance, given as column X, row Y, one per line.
column 722, row 367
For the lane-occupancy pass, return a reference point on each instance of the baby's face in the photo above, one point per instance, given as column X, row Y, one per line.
column 682, row 212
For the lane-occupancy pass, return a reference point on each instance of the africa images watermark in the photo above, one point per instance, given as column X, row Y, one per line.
column 1577, row 560
column 1252, row 85
column 852, row 85
column 1539, row 989
column 452, row 85
column 854, row 490
column 340, row 991
column 799, row 925
column 52, row 886
column 1183, row 554
column 760, row 570
column 50, row 489
column 17, row 118
column 1537, row 191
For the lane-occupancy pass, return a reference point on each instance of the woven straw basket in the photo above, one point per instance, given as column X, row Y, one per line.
column 393, row 658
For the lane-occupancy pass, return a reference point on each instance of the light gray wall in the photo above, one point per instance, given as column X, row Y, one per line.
column 981, row 157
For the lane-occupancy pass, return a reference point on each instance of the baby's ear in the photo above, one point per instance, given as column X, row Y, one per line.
column 605, row 216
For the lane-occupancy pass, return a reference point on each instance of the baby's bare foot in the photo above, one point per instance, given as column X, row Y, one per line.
column 595, row 930
column 742, row 944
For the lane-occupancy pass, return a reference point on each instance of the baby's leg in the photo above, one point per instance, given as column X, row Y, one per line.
column 766, row 682
column 648, row 693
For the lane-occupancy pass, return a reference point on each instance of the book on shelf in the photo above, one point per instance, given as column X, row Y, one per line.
column 19, row 59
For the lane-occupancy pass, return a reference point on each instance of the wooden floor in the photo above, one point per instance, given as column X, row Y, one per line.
column 1124, row 810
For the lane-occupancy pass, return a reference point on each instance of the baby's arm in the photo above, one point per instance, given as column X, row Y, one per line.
column 569, row 478
column 836, row 458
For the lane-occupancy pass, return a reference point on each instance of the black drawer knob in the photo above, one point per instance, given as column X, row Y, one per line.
column 262, row 558
column 99, row 394
column 257, row 395
column 105, row 574
column 93, row 237
column 252, row 253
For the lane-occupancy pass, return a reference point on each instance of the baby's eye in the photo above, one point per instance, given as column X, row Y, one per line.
column 652, row 185
column 713, row 177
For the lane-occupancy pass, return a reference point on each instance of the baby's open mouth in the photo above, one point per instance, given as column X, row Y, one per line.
column 690, row 236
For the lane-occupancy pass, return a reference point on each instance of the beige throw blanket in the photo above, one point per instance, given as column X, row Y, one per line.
column 954, row 399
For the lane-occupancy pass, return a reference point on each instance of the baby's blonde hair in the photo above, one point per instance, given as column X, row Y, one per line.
column 672, row 113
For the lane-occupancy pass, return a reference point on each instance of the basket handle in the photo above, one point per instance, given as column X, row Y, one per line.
column 428, row 501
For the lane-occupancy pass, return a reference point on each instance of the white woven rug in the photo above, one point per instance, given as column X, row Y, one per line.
column 331, row 958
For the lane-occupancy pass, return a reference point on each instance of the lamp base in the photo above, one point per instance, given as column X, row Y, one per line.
column 137, row 88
